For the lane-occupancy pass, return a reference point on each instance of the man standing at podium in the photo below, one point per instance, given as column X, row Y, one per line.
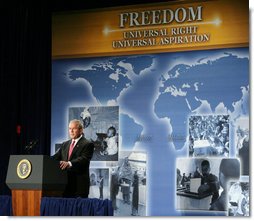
column 74, row 156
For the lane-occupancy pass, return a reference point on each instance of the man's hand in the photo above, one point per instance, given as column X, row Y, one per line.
column 203, row 189
column 64, row 165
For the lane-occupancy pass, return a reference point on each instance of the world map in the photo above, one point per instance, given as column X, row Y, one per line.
column 156, row 94
column 209, row 85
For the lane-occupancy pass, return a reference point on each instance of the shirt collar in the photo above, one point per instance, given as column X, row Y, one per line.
column 77, row 139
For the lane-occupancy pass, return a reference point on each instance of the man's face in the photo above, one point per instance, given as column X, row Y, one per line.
column 205, row 170
column 74, row 131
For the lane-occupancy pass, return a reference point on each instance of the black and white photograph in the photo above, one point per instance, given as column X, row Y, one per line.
column 201, row 183
column 209, row 136
column 128, row 184
column 101, row 126
column 99, row 183
column 242, row 143
column 239, row 199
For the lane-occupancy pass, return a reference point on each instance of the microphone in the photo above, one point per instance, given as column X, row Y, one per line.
column 31, row 145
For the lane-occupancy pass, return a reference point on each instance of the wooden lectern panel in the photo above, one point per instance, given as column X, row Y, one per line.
column 26, row 202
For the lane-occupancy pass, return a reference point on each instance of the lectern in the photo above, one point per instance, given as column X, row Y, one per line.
column 31, row 177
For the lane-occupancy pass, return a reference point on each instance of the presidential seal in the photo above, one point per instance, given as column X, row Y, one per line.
column 24, row 169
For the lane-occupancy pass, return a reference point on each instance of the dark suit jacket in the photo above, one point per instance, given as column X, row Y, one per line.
column 213, row 183
column 78, row 174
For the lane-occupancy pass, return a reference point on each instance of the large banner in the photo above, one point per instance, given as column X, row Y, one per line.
column 163, row 92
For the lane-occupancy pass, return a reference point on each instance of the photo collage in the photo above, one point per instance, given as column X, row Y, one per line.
column 121, row 175
column 215, row 175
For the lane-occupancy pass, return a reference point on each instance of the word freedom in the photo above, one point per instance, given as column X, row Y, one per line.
column 158, row 17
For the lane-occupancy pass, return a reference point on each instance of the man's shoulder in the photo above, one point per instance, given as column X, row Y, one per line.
column 84, row 141
column 212, row 177
column 67, row 142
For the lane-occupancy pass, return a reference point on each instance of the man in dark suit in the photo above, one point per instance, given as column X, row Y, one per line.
column 101, row 184
column 209, row 182
column 74, row 156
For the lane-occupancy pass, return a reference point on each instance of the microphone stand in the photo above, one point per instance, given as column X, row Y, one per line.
column 30, row 146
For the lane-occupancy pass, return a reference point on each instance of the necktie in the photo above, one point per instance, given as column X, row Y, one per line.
column 71, row 149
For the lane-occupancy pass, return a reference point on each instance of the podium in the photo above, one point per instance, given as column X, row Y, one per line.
column 31, row 177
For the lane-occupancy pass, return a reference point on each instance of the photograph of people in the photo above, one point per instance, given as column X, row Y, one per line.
column 239, row 199
column 110, row 142
column 74, row 156
column 99, row 183
column 209, row 135
column 206, row 189
column 242, row 143
column 128, row 184
column 102, row 129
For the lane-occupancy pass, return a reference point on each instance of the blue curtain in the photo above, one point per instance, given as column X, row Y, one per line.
column 5, row 206
column 51, row 206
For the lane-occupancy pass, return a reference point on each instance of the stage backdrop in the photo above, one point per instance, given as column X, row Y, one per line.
column 171, row 83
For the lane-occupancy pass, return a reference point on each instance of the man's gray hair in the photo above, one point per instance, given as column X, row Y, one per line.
column 78, row 122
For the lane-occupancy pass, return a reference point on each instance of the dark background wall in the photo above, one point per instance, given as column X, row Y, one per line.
column 25, row 74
